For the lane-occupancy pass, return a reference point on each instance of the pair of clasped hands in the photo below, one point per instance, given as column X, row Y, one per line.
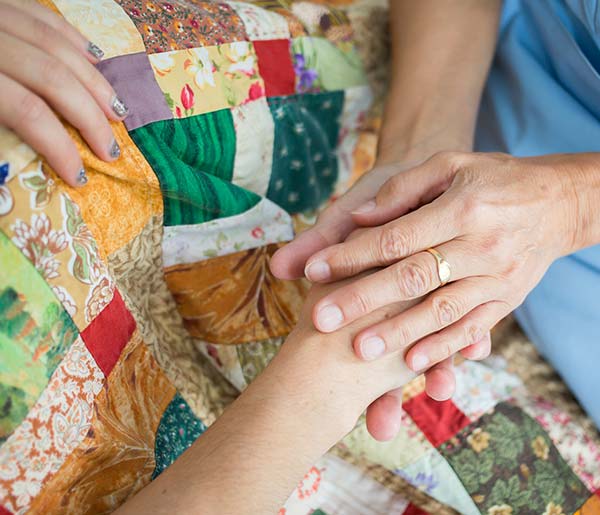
column 498, row 221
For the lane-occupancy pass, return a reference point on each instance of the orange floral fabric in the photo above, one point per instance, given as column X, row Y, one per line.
column 235, row 298
column 116, row 458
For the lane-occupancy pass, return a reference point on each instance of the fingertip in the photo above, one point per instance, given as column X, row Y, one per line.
column 440, row 383
column 94, row 52
column 369, row 347
column 384, row 417
column 279, row 265
column 317, row 271
column 327, row 316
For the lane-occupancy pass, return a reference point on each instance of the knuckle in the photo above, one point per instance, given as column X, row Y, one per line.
column 53, row 73
column 392, row 188
column 403, row 336
column 412, row 280
column 443, row 349
column 357, row 302
column 394, row 243
column 31, row 109
column 446, row 310
column 45, row 34
column 473, row 334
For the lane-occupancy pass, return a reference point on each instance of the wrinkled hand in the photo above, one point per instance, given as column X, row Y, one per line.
column 499, row 221
column 336, row 224
column 47, row 67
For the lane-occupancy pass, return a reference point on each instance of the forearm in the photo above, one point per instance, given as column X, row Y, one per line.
column 441, row 54
column 250, row 460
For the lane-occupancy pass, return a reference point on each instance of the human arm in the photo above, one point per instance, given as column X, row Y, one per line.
column 307, row 399
column 46, row 71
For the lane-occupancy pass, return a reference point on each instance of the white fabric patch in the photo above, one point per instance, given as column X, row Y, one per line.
column 480, row 386
column 260, row 23
column 263, row 224
column 255, row 133
column 336, row 487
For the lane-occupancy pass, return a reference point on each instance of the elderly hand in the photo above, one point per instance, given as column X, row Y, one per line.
column 498, row 221
column 47, row 67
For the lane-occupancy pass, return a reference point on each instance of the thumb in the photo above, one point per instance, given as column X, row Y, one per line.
column 384, row 416
column 409, row 190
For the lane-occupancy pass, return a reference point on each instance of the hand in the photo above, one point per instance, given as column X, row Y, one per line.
column 499, row 221
column 47, row 67
column 336, row 223
column 346, row 384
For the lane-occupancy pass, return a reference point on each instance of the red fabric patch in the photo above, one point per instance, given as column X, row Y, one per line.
column 275, row 66
column 411, row 509
column 108, row 333
column 439, row 421
column 4, row 511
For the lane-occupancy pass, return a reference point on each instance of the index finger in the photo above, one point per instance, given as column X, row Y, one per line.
column 429, row 226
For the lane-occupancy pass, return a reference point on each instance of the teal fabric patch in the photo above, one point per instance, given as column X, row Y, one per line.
column 305, row 165
column 193, row 160
column 178, row 429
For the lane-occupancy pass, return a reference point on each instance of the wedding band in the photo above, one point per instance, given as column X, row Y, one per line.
column 443, row 267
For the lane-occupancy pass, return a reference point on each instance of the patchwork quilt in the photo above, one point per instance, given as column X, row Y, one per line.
column 132, row 311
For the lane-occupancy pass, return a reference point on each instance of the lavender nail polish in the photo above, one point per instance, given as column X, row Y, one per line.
column 95, row 51
column 115, row 150
column 82, row 177
column 119, row 107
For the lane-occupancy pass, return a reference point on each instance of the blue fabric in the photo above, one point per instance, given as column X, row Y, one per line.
column 543, row 96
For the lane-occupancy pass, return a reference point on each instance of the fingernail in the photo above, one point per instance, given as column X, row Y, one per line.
column 318, row 271
column 372, row 347
column 82, row 178
column 420, row 362
column 119, row 107
column 365, row 208
column 95, row 50
column 115, row 150
column 330, row 317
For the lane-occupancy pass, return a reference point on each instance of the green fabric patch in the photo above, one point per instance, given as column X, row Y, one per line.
column 178, row 430
column 331, row 67
column 193, row 160
column 506, row 459
column 305, row 165
column 35, row 334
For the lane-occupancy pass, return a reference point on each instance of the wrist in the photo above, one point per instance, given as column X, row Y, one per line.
column 582, row 186
column 414, row 139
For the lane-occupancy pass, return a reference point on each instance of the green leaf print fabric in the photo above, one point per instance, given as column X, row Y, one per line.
column 35, row 333
column 508, row 464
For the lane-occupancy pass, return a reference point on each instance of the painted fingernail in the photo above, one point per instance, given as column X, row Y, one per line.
column 95, row 51
column 365, row 208
column 318, row 271
column 420, row 362
column 329, row 317
column 372, row 347
column 115, row 150
column 82, row 178
column 119, row 107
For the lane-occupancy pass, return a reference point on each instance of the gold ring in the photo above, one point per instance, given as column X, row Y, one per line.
column 443, row 267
